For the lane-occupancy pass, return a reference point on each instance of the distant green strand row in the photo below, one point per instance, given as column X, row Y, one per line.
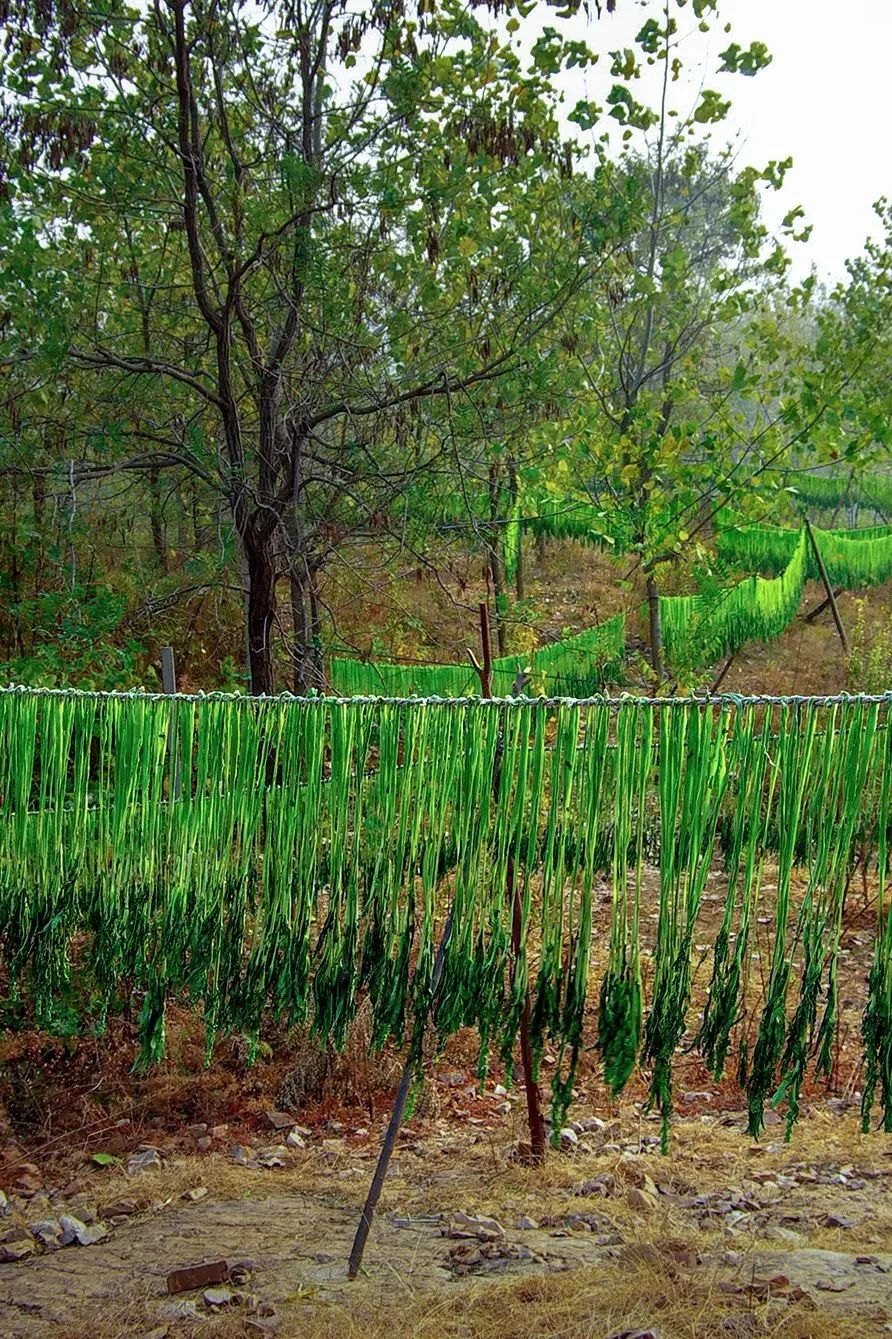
column 697, row 629
column 574, row 667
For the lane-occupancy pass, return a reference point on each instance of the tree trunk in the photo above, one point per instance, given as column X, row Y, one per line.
column 497, row 573
column 540, row 549
column 156, row 521
column 656, row 631
column 496, row 565
column 308, row 670
column 261, row 572
column 519, row 583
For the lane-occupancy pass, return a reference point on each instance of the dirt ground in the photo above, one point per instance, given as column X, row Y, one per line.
column 723, row 1236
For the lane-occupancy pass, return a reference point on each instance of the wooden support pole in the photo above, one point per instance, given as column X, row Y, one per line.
column 169, row 686
column 168, row 670
column 655, row 628
column 412, row 1060
column 717, row 683
column 819, row 609
column 486, row 648
column 831, row 598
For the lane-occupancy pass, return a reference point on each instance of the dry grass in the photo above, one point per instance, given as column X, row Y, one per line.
column 584, row 1304
column 588, row 1304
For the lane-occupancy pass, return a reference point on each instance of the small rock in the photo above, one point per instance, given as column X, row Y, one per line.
column 473, row 1227
column 26, row 1175
column 503, row 1109
column 452, row 1080
column 197, row 1276
column 241, row 1155
column 275, row 1156
column 5, row 1206
column 569, row 1138
column 294, row 1140
column 641, row 1200
column 16, row 1248
column 118, row 1209
column 279, row 1120
column 774, row 1232
column 525, row 1224
column 84, row 1208
column 591, row 1124
column 143, row 1160
column 196, row 1193
column 598, row 1185
column 204, row 1143
column 218, row 1131
column 197, row 1131
column 219, row 1297
column 835, row 1220
column 73, row 1229
column 500, row 1091
column 182, row 1310
column 48, row 1231
column 70, row 1228
column 92, row 1235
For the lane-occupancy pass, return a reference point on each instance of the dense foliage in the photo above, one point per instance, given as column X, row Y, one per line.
column 298, row 294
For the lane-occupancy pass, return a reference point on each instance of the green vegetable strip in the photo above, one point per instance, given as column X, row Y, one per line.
column 876, row 1024
column 291, row 858
column 794, row 744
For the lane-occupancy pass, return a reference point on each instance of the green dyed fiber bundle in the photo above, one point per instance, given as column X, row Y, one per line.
column 291, row 858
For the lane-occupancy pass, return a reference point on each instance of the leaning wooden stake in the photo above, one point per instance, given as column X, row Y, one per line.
column 720, row 678
column 538, row 1142
column 831, row 597
column 409, row 1070
column 819, row 609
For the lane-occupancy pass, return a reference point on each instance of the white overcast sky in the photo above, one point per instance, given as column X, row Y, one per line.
column 825, row 101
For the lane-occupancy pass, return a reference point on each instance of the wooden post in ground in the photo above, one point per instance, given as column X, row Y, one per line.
column 168, row 670
column 169, row 686
column 655, row 628
column 831, row 597
column 412, row 1060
